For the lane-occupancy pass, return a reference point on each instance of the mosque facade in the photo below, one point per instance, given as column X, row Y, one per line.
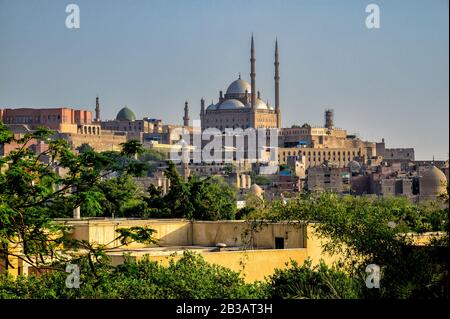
column 242, row 106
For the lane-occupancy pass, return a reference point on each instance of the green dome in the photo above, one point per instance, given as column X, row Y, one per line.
column 125, row 114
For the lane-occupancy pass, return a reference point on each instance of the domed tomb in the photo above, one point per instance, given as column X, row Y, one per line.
column 432, row 182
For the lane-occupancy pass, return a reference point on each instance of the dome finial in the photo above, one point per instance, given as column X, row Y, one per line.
column 239, row 75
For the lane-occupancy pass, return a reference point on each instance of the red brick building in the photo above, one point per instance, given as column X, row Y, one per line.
column 59, row 119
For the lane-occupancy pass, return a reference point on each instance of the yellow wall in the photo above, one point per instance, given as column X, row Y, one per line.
column 14, row 262
column 237, row 233
column 176, row 235
column 168, row 232
column 173, row 232
column 254, row 264
column 314, row 247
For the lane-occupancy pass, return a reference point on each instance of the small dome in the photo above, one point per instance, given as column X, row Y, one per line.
column 256, row 190
column 261, row 105
column 433, row 182
column 230, row 105
column 212, row 106
column 125, row 114
column 239, row 87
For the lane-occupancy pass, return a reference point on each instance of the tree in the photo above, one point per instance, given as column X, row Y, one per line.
column 152, row 155
column 228, row 169
column 205, row 199
column 212, row 199
column 83, row 148
column 189, row 277
column 376, row 231
column 313, row 282
column 33, row 191
column 177, row 200
column 120, row 197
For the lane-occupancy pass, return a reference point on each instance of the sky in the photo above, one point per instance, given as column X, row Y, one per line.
column 153, row 55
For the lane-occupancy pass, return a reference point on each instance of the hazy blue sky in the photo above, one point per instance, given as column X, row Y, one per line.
column 152, row 55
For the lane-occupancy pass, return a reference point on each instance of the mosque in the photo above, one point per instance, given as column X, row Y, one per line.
column 242, row 105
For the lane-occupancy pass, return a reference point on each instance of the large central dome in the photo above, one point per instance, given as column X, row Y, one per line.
column 239, row 87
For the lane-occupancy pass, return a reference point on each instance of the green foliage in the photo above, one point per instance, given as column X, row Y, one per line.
column 83, row 148
column 152, row 155
column 211, row 199
column 119, row 197
column 228, row 169
column 132, row 148
column 363, row 230
column 313, row 282
column 33, row 192
column 375, row 231
column 205, row 199
column 136, row 234
column 190, row 277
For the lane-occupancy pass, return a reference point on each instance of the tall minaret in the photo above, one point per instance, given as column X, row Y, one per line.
column 186, row 114
column 97, row 110
column 253, row 74
column 202, row 106
column 277, row 85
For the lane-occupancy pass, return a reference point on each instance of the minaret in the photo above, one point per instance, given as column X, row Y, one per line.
column 97, row 110
column 329, row 119
column 277, row 86
column 202, row 106
column 186, row 114
column 253, row 74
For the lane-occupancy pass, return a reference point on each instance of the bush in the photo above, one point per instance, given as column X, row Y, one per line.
column 313, row 282
column 190, row 277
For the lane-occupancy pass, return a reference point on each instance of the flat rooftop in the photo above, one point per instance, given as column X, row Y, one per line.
column 167, row 251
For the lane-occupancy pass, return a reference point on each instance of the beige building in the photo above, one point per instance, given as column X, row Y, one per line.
column 256, row 252
column 331, row 179
column 327, row 144
column 315, row 157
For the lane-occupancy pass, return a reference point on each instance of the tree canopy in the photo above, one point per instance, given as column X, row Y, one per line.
column 35, row 188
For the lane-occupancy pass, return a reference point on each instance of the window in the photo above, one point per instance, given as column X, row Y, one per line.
column 279, row 243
